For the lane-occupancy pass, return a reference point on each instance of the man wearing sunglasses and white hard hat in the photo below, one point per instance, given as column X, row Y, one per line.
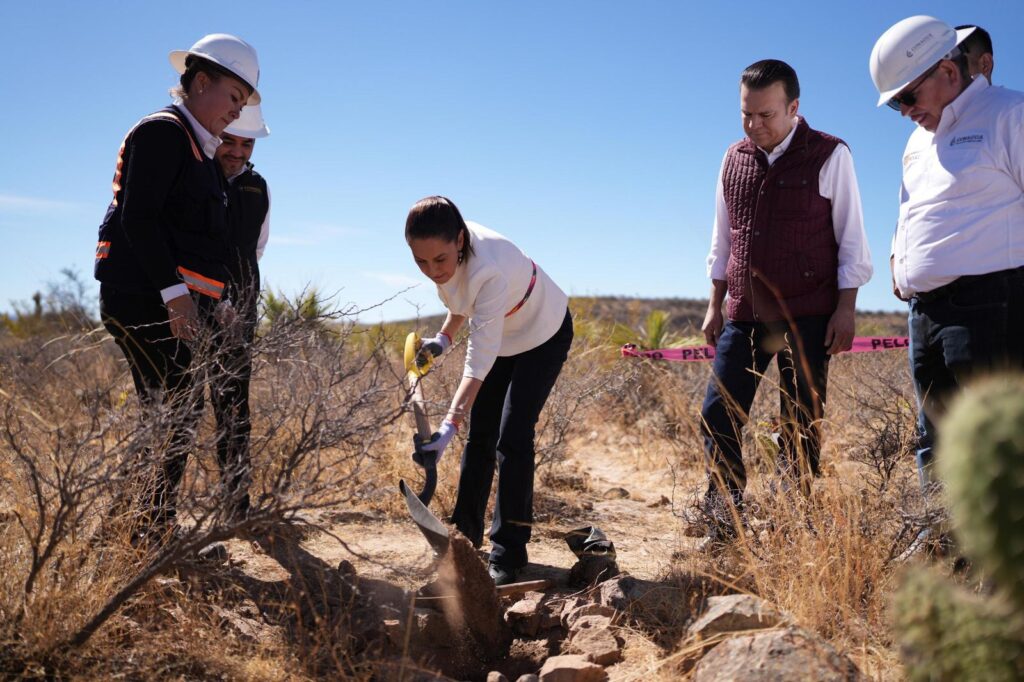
column 248, row 230
column 958, row 250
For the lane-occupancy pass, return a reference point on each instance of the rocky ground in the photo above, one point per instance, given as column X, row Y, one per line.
column 649, row 622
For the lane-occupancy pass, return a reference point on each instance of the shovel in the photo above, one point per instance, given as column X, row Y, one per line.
column 433, row 530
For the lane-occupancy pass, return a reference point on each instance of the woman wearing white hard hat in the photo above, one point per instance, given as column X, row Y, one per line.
column 248, row 230
column 162, row 253
column 520, row 334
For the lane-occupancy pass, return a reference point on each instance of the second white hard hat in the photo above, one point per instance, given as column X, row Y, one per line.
column 228, row 51
column 908, row 49
column 249, row 124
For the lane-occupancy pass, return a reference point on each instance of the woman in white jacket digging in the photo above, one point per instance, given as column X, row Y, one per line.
column 520, row 331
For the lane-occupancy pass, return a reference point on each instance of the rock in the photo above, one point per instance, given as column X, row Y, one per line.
column 736, row 613
column 663, row 502
column 550, row 615
column 572, row 668
column 392, row 600
column 249, row 630
column 592, row 637
column 524, row 617
column 429, row 631
column 568, row 606
column 346, row 569
column 216, row 553
column 584, row 623
column 592, row 569
column 647, row 601
column 773, row 655
column 495, row 676
column 616, row 494
column 590, row 609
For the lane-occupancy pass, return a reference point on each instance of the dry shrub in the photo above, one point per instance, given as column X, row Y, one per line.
column 75, row 453
column 328, row 434
column 830, row 560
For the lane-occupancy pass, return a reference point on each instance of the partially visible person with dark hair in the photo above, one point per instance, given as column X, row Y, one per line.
column 248, row 232
column 162, row 255
column 978, row 48
column 520, row 332
column 788, row 247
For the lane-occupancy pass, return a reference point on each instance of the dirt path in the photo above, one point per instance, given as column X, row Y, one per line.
column 616, row 486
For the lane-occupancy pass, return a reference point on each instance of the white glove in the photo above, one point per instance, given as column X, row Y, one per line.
column 434, row 448
column 435, row 345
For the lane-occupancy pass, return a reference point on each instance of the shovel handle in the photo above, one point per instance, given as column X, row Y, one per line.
column 429, row 485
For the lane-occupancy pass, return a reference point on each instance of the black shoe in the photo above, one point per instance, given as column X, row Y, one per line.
column 502, row 575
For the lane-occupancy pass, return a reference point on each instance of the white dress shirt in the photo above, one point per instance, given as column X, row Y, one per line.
column 261, row 243
column 837, row 182
column 962, row 197
column 490, row 283
column 208, row 142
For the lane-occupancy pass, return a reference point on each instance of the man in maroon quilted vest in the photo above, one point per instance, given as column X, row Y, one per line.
column 789, row 249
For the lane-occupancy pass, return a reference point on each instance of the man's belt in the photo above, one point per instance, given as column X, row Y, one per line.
column 947, row 290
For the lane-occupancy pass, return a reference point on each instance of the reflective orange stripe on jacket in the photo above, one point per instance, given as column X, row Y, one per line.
column 165, row 115
column 102, row 249
column 199, row 283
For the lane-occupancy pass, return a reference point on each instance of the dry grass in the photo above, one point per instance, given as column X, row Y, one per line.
column 329, row 436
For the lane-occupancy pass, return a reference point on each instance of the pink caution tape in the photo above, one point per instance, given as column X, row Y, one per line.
column 861, row 344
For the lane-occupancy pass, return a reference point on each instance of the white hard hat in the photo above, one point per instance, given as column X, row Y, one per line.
column 233, row 53
column 908, row 49
column 249, row 124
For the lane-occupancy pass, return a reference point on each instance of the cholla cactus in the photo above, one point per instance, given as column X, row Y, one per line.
column 981, row 461
column 946, row 632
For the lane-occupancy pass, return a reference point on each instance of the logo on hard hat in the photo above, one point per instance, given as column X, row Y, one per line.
column 916, row 46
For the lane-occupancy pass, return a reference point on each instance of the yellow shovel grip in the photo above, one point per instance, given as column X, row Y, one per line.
column 412, row 347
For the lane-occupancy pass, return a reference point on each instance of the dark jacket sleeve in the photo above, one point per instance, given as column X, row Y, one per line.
column 157, row 151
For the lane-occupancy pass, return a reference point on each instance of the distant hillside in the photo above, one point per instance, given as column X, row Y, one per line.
column 687, row 315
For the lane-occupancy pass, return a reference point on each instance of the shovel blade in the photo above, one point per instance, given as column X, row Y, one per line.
column 433, row 530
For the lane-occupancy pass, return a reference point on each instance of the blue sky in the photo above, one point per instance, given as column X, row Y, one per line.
column 589, row 132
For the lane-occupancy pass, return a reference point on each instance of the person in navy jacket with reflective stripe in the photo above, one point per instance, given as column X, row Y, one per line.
column 162, row 253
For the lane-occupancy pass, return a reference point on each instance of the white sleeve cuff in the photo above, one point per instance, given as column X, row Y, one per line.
column 854, row 276
column 174, row 291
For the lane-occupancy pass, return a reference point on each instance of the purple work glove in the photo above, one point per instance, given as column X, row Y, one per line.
column 429, row 453
column 435, row 345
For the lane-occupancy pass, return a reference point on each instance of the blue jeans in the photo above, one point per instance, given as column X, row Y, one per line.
column 743, row 353
column 501, row 431
column 970, row 327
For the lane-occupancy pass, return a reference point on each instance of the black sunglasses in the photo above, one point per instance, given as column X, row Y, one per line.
column 909, row 98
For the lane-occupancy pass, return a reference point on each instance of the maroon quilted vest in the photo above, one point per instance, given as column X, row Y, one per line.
column 783, row 254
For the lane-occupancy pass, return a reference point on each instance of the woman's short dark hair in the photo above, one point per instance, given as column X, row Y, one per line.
column 438, row 217
column 193, row 67
column 762, row 74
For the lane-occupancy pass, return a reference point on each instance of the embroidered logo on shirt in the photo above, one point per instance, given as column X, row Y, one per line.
column 910, row 158
column 969, row 138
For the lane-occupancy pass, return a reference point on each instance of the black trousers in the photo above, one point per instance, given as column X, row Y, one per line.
column 161, row 369
column 501, row 431
column 229, row 394
column 969, row 328
column 742, row 356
